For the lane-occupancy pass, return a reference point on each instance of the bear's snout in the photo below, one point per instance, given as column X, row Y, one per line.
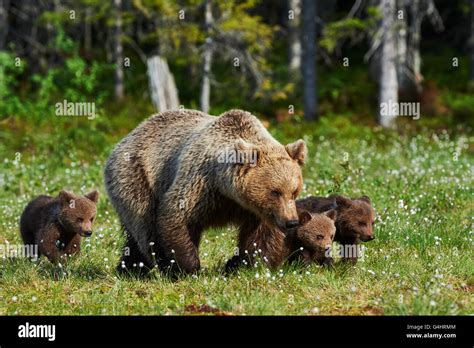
column 367, row 238
column 86, row 233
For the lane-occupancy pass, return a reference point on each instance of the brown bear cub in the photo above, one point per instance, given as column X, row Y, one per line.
column 309, row 242
column 55, row 225
column 354, row 222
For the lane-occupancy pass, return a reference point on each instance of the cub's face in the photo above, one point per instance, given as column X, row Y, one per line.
column 355, row 219
column 316, row 234
column 77, row 213
column 270, row 187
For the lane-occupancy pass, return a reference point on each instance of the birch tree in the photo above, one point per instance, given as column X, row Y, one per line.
column 118, row 50
column 164, row 93
column 207, row 59
column 419, row 9
column 388, row 84
column 294, row 39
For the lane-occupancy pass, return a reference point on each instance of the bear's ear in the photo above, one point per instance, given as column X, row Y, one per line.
column 65, row 197
column 246, row 153
column 332, row 214
column 365, row 199
column 93, row 196
column 304, row 217
column 343, row 201
column 298, row 151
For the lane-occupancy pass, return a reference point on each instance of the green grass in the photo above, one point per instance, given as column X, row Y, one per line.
column 421, row 261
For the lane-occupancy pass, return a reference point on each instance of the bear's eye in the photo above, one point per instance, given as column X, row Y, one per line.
column 276, row 193
column 295, row 194
column 319, row 237
column 79, row 219
column 92, row 219
column 362, row 223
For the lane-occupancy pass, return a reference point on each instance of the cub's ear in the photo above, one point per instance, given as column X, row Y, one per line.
column 332, row 214
column 65, row 197
column 246, row 153
column 298, row 151
column 304, row 217
column 93, row 196
column 365, row 199
column 343, row 201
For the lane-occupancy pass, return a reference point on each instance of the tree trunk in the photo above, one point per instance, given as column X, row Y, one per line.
column 402, row 68
column 414, row 44
column 162, row 86
column 207, row 63
column 388, row 94
column 309, row 60
column 294, row 35
column 472, row 40
column 88, row 31
column 3, row 23
column 118, row 54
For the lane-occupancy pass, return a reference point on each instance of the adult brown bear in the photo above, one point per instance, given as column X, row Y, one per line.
column 180, row 172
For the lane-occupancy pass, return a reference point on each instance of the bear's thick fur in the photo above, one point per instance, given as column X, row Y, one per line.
column 180, row 172
column 354, row 222
column 309, row 242
column 56, row 224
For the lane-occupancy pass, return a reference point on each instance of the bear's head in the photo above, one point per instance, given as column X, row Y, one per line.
column 355, row 219
column 316, row 234
column 77, row 213
column 269, row 185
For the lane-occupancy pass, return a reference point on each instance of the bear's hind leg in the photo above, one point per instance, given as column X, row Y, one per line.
column 133, row 262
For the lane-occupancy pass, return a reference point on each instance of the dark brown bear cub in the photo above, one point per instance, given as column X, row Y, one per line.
column 309, row 242
column 354, row 222
column 56, row 224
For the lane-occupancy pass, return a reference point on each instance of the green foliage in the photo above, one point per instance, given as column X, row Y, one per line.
column 10, row 72
column 74, row 80
column 337, row 31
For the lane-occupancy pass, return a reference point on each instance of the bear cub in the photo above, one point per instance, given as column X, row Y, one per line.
column 310, row 242
column 354, row 222
column 55, row 224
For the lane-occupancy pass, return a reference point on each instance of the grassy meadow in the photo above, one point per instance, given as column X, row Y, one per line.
column 421, row 262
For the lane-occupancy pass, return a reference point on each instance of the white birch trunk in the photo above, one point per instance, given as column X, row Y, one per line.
column 207, row 63
column 388, row 94
column 294, row 35
column 162, row 86
column 402, row 51
column 118, row 54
